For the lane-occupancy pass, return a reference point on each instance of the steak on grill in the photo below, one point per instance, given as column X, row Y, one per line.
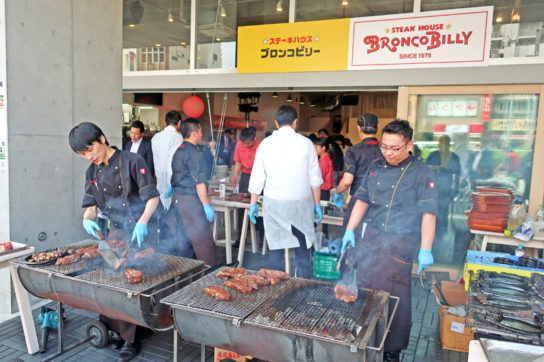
column 146, row 253
column 90, row 254
column 247, row 281
column 238, row 286
column 133, row 275
column 218, row 293
column 345, row 293
column 273, row 273
column 231, row 272
column 121, row 263
column 259, row 280
column 70, row 259
column 84, row 250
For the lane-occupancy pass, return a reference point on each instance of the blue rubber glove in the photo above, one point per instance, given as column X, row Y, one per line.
column 318, row 214
column 338, row 200
column 139, row 233
column 208, row 209
column 425, row 259
column 253, row 213
column 348, row 241
column 168, row 193
column 90, row 226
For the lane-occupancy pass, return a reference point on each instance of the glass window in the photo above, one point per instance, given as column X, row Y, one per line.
column 470, row 141
column 218, row 22
column 307, row 10
column 517, row 24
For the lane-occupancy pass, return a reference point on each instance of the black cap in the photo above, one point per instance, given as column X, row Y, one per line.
column 368, row 120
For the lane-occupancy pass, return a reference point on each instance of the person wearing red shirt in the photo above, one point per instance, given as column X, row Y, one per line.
column 325, row 164
column 244, row 156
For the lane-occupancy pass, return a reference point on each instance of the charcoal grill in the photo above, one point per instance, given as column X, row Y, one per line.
column 297, row 320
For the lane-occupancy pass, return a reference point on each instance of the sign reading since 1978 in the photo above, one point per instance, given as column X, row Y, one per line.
column 431, row 39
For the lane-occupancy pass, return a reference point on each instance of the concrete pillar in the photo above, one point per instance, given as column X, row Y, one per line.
column 63, row 68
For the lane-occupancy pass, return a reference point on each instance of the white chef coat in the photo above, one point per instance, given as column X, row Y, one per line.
column 136, row 146
column 286, row 167
column 163, row 145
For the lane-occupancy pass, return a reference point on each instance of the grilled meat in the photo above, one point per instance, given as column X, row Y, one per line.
column 259, row 280
column 44, row 256
column 5, row 246
column 70, row 259
column 146, row 253
column 247, row 281
column 91, row 254
column 273, row 280
column 231, row 272
column 82, row 251
column 273, row 273
column 345, row 293
column 133, row 275
column 238, row 286
column 218, row 293
column 121, row 263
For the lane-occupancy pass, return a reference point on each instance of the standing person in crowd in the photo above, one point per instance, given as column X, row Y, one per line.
column 325, row 165
column 226, row 147
column 357, row 160
column 398, row 202
column 481, row 163
column 286, row 167
column 190, row 220
column 163, row 145
column 447, row 167
column 140, row 145
column 209, row 157
column 120, row 184
column 337, row 158
column 322, row 133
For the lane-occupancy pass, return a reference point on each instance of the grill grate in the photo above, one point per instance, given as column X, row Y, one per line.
column 176, row 266
column 192, row 297
column 310, row 307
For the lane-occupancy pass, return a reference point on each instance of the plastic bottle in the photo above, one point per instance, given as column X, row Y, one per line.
column 222, row 189
column 539, row 222
column 519, row 251
column 517, row 215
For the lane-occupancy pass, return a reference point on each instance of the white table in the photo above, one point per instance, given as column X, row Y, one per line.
column 25, row 311
column 530, row 247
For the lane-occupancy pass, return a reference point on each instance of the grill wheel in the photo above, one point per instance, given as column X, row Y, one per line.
column 98, row 333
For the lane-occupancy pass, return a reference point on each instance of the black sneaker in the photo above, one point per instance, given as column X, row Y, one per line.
column 128, row 351
column 115, row 339
column 392, row 356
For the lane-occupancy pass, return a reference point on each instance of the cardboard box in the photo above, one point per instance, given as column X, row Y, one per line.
column 454, row 335
column 223, row 354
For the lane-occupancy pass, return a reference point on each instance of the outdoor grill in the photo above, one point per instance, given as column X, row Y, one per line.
column 92, row 285
column 297, row 320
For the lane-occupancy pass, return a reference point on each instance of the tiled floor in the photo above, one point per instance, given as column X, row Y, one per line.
column 424, row 340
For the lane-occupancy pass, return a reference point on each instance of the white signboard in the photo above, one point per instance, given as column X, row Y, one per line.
column 448, row 38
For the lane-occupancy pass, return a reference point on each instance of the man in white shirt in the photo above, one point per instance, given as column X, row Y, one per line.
column 164, row 144
column 286, row 167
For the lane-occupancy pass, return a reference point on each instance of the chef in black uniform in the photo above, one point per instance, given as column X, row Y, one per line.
column 398, row 201
column 192, row 215
column 357, row 160
column 120, row 184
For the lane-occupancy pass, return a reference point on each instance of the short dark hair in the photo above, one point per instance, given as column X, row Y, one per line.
column 322, row 141
column 189, row 126
column 173, row 118
column 248, row 134
column 228, row 130
column 286, row 115
column 368, row 123
column 84, row 135
column 138, row 124
column 324, row 131
column 400, row 127
column 312, row 137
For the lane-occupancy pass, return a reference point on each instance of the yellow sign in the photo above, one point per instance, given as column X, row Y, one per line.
column 310, row 46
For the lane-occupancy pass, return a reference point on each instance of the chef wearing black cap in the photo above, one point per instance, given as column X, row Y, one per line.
column 357, row 160
column 398, row 201
column 120, row 184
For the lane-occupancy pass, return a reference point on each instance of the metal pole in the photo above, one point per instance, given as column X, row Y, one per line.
column 202, row 353
column 59, row 316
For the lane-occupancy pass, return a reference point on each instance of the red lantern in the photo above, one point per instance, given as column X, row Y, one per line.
column 193, row 107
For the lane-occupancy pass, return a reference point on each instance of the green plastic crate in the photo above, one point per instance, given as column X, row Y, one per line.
column 324, row 265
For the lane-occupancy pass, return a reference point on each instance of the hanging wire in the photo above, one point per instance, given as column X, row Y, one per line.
column 219, row 132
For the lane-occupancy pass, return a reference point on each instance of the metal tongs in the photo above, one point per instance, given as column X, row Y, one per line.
column 340, row 259
column 105, row 250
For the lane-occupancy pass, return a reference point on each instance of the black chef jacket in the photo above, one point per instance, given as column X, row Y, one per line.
column 359, row 157
column 188, row 169
column 398, row 195
column 121, row 189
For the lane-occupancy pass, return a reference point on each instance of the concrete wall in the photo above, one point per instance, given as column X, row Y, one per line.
column 63, row 68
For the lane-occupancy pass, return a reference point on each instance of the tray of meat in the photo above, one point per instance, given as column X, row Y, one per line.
column 42, row 258
column 133, row 276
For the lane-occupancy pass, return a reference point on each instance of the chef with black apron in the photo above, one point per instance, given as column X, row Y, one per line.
column 190, row 219
column 120, row 184
column 398, row 202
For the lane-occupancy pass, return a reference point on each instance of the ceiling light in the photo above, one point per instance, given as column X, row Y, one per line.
column 223, row 13
column 515, row 18
column 312, row 105
column 170, row 17
column 157, row 45
column 218, row 39
column 279, row 6
column 301, row 100
column 275, row 95
column 499, row 19
column 131, row 25
column 289, row 99
column 345, row 2
column 184, row 43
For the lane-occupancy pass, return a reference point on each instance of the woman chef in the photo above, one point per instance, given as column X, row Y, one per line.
column 120, row 184
column 398, row 200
